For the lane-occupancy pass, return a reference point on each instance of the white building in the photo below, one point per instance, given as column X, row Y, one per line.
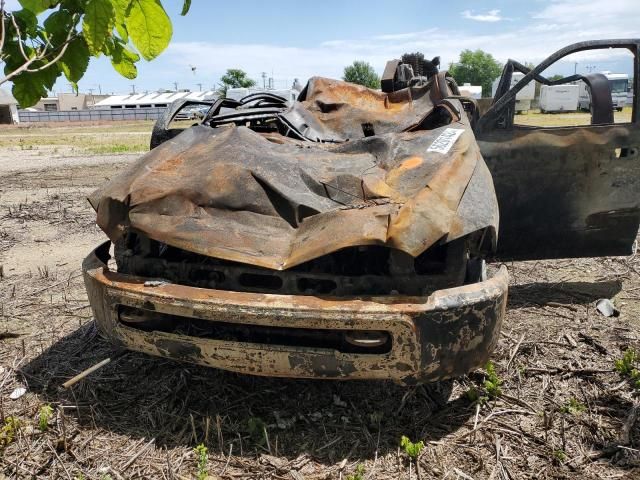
column 8, row 108
column 150, row 100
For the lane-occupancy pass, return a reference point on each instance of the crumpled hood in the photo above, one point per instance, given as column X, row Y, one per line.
column 272, row 201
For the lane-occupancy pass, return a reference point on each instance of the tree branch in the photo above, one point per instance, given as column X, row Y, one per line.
column 15, row 25
column 70, row 37
column 1, row 26
column 17, row 71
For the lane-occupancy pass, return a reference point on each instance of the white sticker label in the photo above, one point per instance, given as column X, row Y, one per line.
column 445, row 140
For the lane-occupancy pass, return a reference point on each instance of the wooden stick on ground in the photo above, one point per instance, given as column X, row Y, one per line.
column 140, row 452
column 83, row 374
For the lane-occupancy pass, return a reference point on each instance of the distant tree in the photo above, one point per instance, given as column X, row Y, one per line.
column 361, row 73
column 477, row 68
column 555, row 77
column 234, row 78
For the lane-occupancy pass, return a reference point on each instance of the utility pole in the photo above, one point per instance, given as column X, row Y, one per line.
column 99, row 89
column 575, row 68
column 175, row 84
column 264, row 79
column 133, row 89
column 199, row 86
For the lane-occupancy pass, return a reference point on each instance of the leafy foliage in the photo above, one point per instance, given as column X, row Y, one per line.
column 492, row 382
column 627, row 366
column 234, row 78
column 35, row 54
column 358, row 474
column 361, row 73
column 573, row 407
column 413, row 450
column 44, row 416
column 202, row 457
column 559, row 456
column 8, row 431
column 477, row 68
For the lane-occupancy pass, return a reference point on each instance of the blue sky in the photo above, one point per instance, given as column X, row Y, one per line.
column 299, row 39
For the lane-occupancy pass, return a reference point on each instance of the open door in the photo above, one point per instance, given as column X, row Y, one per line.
column 565, row 191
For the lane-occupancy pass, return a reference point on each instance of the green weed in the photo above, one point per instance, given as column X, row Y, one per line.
column 8, row 431
column 44, row 416
column 413, row 450
column 573, row 406
column 202, row 457
column 358, row 474
column 257, row 429
column 559, row 455
column 627, row 367
column 492, row 382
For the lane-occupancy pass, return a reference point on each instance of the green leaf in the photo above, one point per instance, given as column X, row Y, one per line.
column 28, row 89
column 185, row 7
column 58, row 24
column 38, row 6
column 12, row 57
column 75, row 60
column 27, row 22
column 149, row 27
column 123, row 60
column 49, row 75
column 99, row 20
column 121, row 7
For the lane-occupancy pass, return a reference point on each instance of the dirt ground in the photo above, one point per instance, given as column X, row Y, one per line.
column 563, row 410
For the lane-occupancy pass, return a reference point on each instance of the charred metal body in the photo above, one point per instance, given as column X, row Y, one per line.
column 564, row 191
column 344, row 236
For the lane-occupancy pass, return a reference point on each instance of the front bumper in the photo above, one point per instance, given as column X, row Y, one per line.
column 447, row 334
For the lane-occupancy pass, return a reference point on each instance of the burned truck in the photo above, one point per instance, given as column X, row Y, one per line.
column 345, row 235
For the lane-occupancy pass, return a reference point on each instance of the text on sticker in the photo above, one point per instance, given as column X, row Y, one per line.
column 445, row 140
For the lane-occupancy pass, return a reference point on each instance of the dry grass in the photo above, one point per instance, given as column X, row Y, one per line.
column 563, row 410
column 73, row 139
column 535, row 118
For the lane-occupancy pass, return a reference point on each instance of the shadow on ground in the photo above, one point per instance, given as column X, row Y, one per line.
column 566, row 293
column 182, row 404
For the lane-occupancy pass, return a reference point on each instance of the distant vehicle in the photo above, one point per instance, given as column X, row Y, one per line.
column 194, row 112
column 523, row 97
column 559, row 98
column 619, row 83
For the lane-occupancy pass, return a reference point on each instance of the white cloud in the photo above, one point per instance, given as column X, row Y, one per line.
column 490, row 16
column 550, row 28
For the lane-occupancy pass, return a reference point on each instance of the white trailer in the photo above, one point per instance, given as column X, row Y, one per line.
column 523, row 97
column 619, row 83
column 558, row 98
column 468, row 90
